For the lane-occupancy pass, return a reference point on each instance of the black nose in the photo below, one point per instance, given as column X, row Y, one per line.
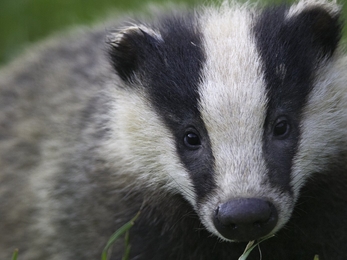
column 245, row 219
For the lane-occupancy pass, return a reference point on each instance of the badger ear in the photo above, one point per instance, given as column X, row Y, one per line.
column 129, row 48
column 318, row 23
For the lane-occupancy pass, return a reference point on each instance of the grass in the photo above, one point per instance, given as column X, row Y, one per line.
column 15, row 254
column 250, row 246
column 116, row 235
column 23, row 22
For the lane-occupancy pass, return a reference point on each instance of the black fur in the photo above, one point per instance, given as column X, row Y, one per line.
column 315, row 219
column 297, row 46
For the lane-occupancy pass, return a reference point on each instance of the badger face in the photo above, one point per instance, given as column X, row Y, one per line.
column 212, row 105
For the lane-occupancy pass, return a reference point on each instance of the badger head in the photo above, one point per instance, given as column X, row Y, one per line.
column 218, row 106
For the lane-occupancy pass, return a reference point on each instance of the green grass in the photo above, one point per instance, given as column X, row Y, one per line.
column 123, row 230
column 23, row 22
column 15, row 254
column 251, row 245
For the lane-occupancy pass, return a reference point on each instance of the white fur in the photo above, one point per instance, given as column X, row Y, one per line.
column 115, row 38
column 142, row 149
column 324, row 123
column 233, row 108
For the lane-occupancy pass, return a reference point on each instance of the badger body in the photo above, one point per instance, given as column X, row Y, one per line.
column 221, row 126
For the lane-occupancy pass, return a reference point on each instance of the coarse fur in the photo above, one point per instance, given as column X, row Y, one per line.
column 177, row 117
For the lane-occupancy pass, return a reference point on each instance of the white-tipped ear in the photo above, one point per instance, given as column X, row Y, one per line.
column 316, row 22
column 116, row 37
column 129, row 47
column 330, row 7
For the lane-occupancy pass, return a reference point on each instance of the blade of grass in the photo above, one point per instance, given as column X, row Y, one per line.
column 119, row 232
column 15, row 254
column 127, row 246
column 250, row 246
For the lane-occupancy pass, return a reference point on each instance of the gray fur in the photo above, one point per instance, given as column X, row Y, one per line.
column 43, row 133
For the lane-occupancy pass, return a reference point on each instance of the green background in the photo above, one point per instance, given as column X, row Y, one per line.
column 23, row 22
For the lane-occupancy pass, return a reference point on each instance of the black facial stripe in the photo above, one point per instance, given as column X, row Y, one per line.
column 173, row 74
column 291, row 50
column 280, row 91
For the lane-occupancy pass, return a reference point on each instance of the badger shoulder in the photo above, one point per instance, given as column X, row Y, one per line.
column 45, row 96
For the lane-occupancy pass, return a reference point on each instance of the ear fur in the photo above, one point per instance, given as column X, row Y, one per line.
column 128, row 46
column 318, row 23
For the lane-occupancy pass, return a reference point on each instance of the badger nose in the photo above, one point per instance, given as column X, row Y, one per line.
column 245, row 219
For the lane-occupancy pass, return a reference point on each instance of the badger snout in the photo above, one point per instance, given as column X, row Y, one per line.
column 245, row 219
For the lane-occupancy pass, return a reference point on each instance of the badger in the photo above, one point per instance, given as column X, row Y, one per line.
column 221, row 125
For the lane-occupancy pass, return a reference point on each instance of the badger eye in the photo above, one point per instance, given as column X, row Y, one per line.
column 192, row 140
column 281, row 128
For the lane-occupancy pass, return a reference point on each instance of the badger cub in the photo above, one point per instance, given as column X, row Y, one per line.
column 222, row 125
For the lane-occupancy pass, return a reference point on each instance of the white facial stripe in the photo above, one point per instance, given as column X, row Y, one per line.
column 233, row 101
column 142, row 148
column 233, row 107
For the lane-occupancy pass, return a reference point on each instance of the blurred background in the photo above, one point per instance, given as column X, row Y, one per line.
column 23, row 22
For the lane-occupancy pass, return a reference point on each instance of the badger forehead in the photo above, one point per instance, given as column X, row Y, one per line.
column 233, row 100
